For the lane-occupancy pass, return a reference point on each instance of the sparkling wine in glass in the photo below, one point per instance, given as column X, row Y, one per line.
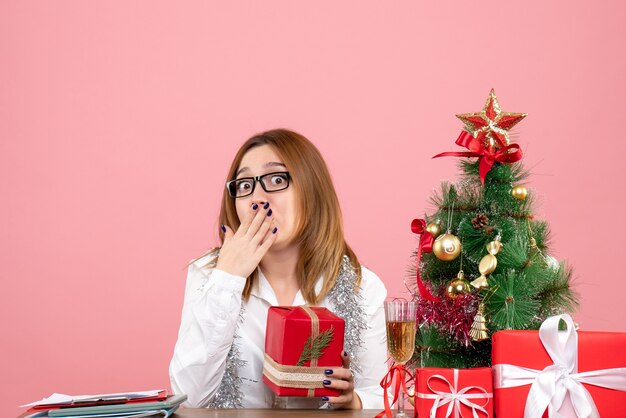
column 400, row 321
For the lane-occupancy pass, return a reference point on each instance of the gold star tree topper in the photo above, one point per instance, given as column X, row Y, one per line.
column 491, row 125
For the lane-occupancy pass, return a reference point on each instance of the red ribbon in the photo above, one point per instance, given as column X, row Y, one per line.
column 509, row 154
column 400, row 383
column 418, row 226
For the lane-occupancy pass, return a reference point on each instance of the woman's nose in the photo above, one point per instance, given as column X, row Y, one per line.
column 259, row 195
column 259, row 202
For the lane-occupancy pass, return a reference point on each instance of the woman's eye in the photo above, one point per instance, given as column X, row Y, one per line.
column 278, row 179
column 243, row 186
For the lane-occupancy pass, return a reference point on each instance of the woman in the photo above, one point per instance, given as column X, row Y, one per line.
column 282, row 244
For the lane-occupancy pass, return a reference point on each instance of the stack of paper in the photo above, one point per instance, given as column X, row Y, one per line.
column 152, row 403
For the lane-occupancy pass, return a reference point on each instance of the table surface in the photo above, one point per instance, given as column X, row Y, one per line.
column 263, row 413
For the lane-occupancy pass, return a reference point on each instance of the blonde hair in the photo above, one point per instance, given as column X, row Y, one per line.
column 319, row 230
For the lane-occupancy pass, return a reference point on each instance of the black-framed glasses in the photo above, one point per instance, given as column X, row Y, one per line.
column 270, row 182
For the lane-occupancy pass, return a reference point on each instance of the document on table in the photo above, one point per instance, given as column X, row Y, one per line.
column 162, row 413
column 61, row 399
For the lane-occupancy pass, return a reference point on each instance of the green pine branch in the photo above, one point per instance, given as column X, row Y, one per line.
column 557, row 296
column 436, row 349
column 512, row 305
column 314, row 347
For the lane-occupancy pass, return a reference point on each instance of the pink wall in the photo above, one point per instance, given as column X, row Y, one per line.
column 118, row 120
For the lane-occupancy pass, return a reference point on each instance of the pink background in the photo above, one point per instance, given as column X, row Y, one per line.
column 118, row 121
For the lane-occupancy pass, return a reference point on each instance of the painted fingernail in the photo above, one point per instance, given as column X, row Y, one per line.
column 269, row 212
column 223, row 229
column 266, row 205
column 326, row 382
column 274, row 230
column 325, row 398
column 345, row 354
column 255, row 206
column 328, row 371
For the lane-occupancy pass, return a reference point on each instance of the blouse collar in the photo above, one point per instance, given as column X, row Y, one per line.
column 263, row 290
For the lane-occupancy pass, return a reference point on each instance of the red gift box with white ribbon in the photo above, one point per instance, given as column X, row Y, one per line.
column 454, row 392
column 300, row 343
column 548, row 372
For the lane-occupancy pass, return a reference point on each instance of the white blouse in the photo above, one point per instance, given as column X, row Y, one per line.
column 211, row 309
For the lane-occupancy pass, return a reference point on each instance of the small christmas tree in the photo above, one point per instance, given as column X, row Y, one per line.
column 482, row 262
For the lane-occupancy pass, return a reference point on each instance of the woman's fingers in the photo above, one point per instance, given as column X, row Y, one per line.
column 340, row 373
column 345, row 360
column 263, row 231
column 269, row 240
column 345, row 398
column 340, row 378
column 243, row 250
column 262, row 213
column 247, row 220
column 228, row 233
column 338, row 384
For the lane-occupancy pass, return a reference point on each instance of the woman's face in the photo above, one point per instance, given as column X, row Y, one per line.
column 257, row 162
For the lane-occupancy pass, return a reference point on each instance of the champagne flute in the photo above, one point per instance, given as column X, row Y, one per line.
column 400, row 321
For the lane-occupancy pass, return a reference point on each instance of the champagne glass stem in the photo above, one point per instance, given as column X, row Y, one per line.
column 401, row 404
column 400, row 412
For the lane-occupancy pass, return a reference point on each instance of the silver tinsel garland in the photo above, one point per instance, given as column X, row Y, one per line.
column 347, row 303
column 229, row 394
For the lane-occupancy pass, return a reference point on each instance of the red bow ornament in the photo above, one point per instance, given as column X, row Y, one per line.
column 418, row 226
column 487, row 155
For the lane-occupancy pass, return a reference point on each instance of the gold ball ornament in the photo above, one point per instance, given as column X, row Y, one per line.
column 434, row 228
column 447, row 247
column 458, row 286
column 519, row 192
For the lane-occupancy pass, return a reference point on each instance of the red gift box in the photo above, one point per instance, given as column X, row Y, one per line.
column 292, row 334
column 454, row 392
column 595, row 352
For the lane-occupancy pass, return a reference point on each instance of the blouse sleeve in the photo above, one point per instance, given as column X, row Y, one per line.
column 372, row 358
column 210, row 313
